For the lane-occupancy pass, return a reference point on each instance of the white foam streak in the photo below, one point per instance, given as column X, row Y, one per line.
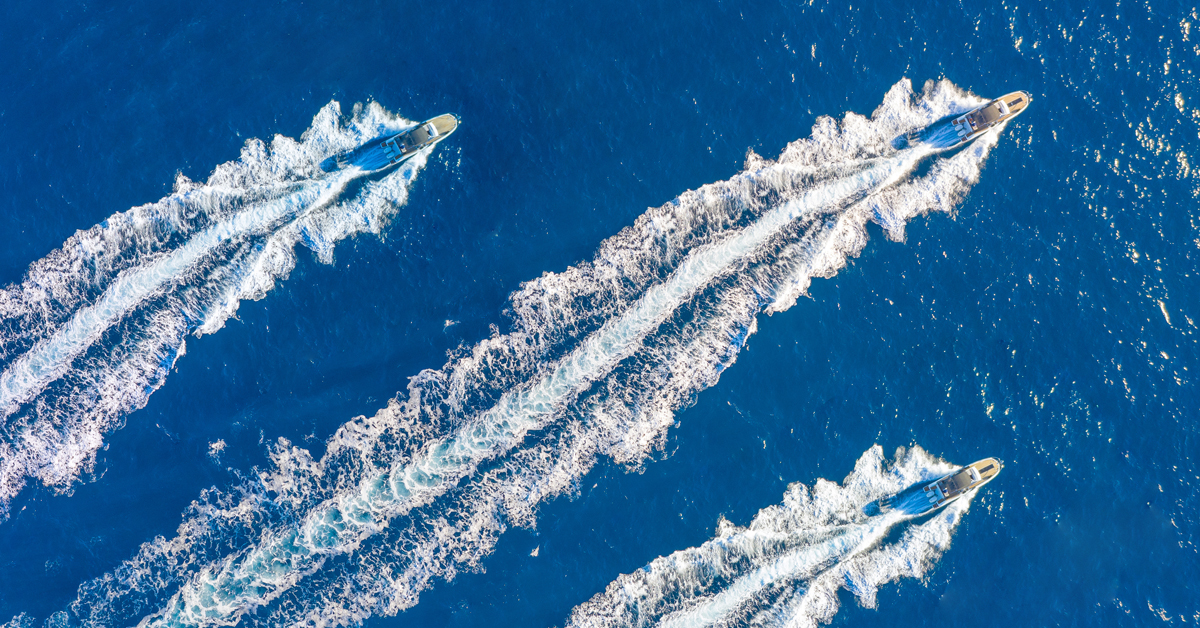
column 598, row 362
column 797, row 563
column 51, row 357
column 340, row 526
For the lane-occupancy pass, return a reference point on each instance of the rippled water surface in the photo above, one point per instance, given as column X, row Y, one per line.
column 643, row 343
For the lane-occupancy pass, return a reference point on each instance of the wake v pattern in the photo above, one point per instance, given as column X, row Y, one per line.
column 598, row 361
column 786, row 567
column 162, row 271
column 343, row 522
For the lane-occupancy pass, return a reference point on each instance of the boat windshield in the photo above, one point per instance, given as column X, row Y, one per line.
column 959, row 481
column 417, row 136
column 986, row 117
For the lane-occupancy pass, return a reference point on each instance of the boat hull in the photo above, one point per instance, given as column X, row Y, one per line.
column 398, row 148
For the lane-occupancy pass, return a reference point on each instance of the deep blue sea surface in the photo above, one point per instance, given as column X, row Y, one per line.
column 489, row 387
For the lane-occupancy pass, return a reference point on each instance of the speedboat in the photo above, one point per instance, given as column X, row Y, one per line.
column 405, row 144
column 974, row 123
column 963, row 481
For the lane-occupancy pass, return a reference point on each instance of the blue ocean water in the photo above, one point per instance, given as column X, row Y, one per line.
column 562, row 389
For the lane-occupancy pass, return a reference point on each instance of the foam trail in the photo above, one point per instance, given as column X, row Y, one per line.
column 339, row 526
column 51, row 357
column 597, row 363
column 786, row 567
column 165, row 270
column 795, row 564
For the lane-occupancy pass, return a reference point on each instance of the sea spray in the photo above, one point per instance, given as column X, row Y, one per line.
column 368, row 560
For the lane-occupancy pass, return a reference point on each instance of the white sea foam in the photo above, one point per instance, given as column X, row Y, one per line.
column 164, row 270
column 340, row 524
column 785, row 568
column 50, row 358
column 598, row 361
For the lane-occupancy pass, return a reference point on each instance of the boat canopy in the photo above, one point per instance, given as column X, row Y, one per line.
column 986, row 117
column 421, row 135
column 962, row 480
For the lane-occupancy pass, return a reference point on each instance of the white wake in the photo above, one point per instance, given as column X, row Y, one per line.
column 597, row 362
column 786, row 567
